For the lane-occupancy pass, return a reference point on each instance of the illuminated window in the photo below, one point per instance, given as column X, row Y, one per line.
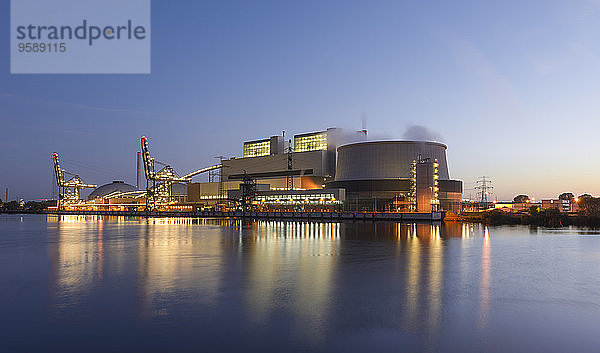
column 257, row 148
column 312, row 142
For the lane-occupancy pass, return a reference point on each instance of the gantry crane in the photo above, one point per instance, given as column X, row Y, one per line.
column 159, row 183
column 68, row 190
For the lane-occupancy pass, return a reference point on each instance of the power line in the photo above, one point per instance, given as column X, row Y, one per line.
column 484, row 189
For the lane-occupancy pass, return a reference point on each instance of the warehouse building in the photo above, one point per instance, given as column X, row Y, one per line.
column 120, row 196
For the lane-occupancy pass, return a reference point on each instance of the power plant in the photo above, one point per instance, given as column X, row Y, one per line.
column 322, row 171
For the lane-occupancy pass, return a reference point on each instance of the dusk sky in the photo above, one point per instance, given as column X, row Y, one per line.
column 510, row 86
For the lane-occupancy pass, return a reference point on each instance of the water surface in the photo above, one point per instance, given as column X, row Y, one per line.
column 116, row 284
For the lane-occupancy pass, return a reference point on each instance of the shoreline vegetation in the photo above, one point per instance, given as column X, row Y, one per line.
column 551, row 218
column 584, row 212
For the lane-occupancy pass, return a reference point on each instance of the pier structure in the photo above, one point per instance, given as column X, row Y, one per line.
column 317, row 216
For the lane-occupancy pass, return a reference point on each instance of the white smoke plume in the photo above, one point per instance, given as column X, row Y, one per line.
column 413, row 132
column 421, row 133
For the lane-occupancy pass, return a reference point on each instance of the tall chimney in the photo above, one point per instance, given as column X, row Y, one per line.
column 137, row 174
column 6, row 199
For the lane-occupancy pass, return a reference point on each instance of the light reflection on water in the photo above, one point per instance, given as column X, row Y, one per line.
column 484, row 301
column 296, row 286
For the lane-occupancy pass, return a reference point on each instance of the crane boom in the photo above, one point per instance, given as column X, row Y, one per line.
column 58, row 173
column 200, row 171
column 148, row 161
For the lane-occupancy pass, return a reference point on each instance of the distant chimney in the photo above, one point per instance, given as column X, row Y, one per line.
column 137, row 173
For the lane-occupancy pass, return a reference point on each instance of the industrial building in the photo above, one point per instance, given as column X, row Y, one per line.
column 329, row 170
column 396, row 176
column 121, row 196
column 321, row 171
column 308, row 164
column 117, row 195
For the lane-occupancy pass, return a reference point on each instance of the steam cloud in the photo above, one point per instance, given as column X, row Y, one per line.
column 421, row 133
column 412, row 133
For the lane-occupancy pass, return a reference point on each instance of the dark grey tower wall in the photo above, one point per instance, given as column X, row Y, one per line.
column 277, row 145
column 387, row 159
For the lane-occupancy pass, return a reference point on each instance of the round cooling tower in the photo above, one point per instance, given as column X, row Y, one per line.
column 387, row 159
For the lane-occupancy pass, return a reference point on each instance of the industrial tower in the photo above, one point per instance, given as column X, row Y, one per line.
column 290, row 166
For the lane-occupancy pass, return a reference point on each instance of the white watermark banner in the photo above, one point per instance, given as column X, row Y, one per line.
column 80, row 36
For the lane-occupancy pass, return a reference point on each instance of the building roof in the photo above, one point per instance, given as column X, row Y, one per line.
column 304, row 134
column 268, row 139
column 408, row 142
column 115, row 186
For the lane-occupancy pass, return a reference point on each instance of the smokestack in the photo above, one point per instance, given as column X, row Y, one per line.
column 137, row 174
column 6, row 198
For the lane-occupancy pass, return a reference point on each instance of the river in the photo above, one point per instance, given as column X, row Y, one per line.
column 93, row 283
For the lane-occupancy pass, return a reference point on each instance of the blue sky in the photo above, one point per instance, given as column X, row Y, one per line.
column 511, row 86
